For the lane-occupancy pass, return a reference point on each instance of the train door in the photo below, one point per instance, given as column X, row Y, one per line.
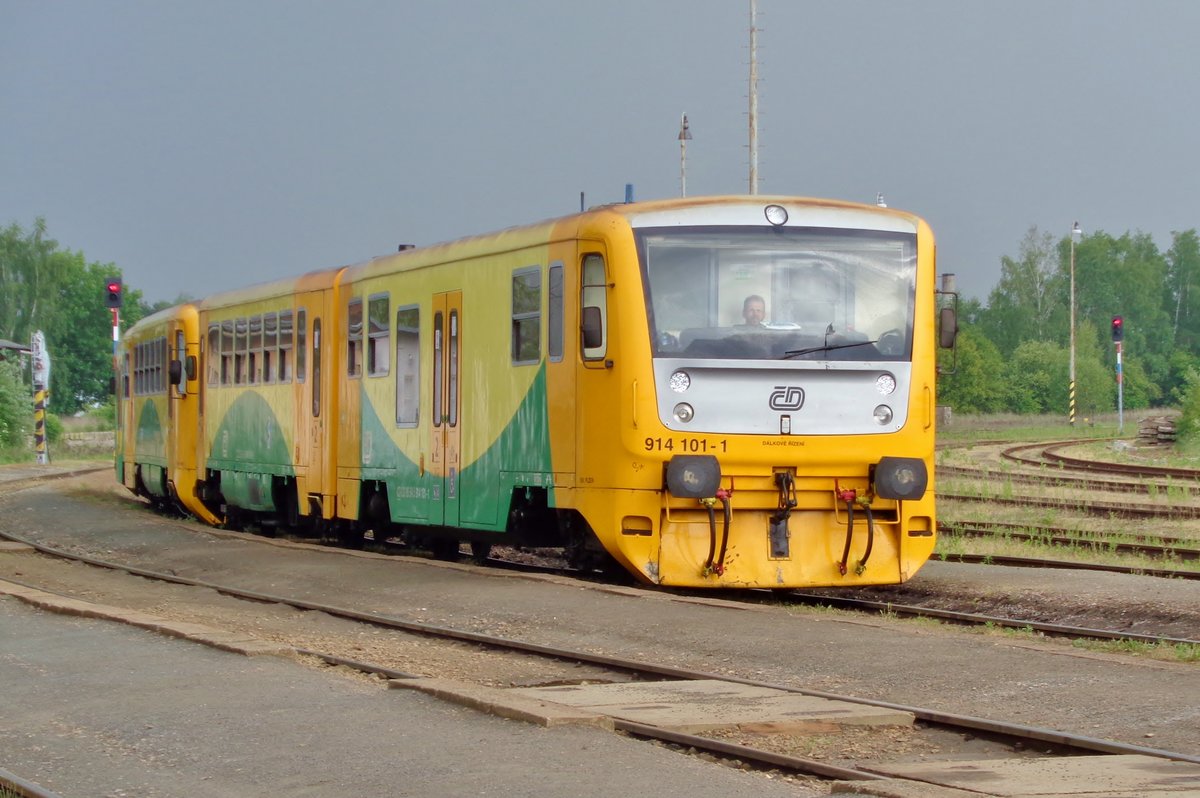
column 447, row 403
column 124, row 370
column 310, row 411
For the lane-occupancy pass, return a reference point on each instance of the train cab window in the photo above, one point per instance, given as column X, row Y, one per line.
column 527, row 316
column 227, row 352
column 378, row 336
column 241, row 339
column 270, row 346
column 254, row 362
column 554, row 322
column 408, row 365
column 284, row 361
column 593, row 303
column 301, row 345
column 213, row 356
column 354, row 338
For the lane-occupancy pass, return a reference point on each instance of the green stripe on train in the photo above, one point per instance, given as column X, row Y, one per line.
column 519, row 457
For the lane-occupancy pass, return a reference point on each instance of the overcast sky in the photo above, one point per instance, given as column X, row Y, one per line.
column 208, row 145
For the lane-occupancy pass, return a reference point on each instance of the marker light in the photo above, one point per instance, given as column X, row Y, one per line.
column 776, row 214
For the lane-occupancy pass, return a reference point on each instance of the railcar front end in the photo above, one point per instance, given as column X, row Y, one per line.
column 780, row 388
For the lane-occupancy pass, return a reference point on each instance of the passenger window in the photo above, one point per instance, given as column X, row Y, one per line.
column 301, row 345
column 214, row 353
column 354, row 342
column 285, row 346
column 378, row 336
column 526, row 316
column 408, row 365
column 555, row 320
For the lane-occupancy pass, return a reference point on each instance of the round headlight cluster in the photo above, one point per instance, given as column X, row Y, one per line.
column 684, row 412
column 680, row 381
column 883, row 415
column 885, row 384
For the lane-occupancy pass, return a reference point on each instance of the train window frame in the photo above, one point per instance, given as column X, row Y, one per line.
column 438, row 357
column 408, row 366
column 354, row 337
column 270, row 345
column 287, row 332
column 213, row 358
column 302, row 345
column 555, row 312
column 379, row 335
column 254, row 349
column 316, row 367
column 593, row 305
column 241, row 338
column 527, row 316
column 452, row 383
column 227, row 352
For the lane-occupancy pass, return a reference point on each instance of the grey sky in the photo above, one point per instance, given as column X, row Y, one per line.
column 208, row 145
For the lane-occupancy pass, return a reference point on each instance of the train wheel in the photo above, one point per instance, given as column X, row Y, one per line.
column 480, row 551
column 444, row 549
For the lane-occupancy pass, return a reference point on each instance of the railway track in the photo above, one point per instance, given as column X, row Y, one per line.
column 1014, row 736
column 1018, row 739
column 1156, row 548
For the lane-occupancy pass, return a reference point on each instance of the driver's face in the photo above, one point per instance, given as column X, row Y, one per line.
column 754, row 312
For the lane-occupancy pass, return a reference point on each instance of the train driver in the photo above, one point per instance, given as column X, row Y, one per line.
column 754, row 311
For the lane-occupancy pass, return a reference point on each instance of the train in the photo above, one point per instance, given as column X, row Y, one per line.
column 704, row 392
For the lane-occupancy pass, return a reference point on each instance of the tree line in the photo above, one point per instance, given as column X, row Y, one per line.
column 46, row 287
column 1012, row 355
column 1014, row 350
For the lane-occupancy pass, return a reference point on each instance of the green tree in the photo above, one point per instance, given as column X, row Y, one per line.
column 43, row 287
column 1021, row 307
column 1182, row 297
column 978, row 383
column 16, row 406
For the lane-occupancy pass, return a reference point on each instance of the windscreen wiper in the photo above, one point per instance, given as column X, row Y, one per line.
column 824, row 348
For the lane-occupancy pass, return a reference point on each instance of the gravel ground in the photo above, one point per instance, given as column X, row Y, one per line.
column 1018, row 678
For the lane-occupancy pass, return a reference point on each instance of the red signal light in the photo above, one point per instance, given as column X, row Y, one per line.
column 112, row 293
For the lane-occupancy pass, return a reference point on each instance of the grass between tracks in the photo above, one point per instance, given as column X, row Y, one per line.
column 975, row 441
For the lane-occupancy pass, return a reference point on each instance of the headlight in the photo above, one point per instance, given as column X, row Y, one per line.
column 885, row 384
column 680, row 381
column 883, row 415
column 901, row 478
column 684, row 412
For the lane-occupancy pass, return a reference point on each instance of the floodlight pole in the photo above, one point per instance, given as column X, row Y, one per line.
column 1076, row 234
column 753, row 97
column 685, row 136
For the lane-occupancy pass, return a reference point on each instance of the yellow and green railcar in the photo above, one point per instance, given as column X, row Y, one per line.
column 269, row 414
column 593, row 382
column 158, row 408
column 711, row 392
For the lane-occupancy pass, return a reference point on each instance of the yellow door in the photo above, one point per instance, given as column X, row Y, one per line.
column 447, row 404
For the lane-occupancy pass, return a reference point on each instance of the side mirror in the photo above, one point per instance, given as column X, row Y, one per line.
column 948, row 328
column 175, row 372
